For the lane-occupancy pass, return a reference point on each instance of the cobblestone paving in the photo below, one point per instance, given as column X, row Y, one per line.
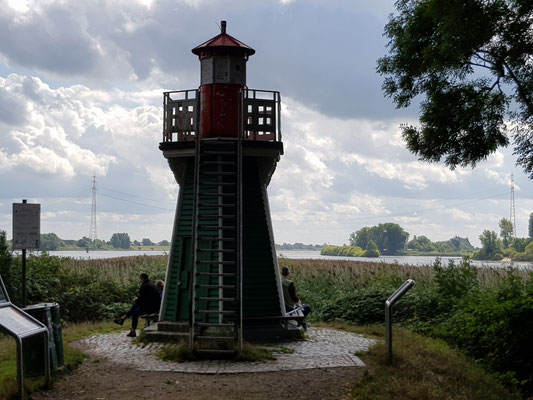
column 324, row 348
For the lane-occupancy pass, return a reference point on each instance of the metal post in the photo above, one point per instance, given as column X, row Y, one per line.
column 47, row 357
column 20, row 368
column 408, row 284
column 23, row 274
column 23, row 278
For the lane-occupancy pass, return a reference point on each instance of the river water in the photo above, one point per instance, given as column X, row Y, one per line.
column 298, row 254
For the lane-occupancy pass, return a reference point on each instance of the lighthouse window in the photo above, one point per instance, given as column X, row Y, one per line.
column 269, row 121
column 190, row 108
column 191, row 121
column 269, row 110
column 261, row 120
column 250, row 108
column 261, row 109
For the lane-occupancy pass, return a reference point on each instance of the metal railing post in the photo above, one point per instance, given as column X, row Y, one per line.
column 408, row 284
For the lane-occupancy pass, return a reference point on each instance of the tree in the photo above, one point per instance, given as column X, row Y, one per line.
column 147, row 242
column 388, row 237
column 395, row 238
column 421, row 243
column 164, row 243
column 6, row 259
column 530, row 231
column 519, row 244
column 84, row 242
column 506, row 231
column 371, row 249
column 50, row 241
column 361, row 237
column 490, row 243
column 120, row 240
column 473, row 61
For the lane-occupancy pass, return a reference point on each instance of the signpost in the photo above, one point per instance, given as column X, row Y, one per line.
column 26, row 234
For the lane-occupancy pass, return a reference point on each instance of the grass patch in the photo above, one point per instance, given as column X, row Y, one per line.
column 181, row 352
column 422, row 368
column 73, row 357
column 176, row 353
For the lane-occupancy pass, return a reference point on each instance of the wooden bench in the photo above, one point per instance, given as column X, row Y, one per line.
column 299, row 319
column 149, row 318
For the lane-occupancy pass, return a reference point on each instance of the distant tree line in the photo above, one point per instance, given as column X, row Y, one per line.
column 494, row 247
column 299, row 246
column 392, row 239
column 52, row 242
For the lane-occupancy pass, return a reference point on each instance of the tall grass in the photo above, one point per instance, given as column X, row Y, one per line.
column 122, row 270
column 486, row 312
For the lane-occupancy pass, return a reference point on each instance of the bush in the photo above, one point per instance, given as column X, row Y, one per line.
column 495, row 327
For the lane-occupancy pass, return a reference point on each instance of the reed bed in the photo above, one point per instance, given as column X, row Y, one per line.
column 361, row 274
column 122, row 270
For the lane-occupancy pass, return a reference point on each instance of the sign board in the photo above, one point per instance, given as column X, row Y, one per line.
column 26, row 226
column 16, row 321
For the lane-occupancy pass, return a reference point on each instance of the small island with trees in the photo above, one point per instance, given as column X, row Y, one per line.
column 392, row 239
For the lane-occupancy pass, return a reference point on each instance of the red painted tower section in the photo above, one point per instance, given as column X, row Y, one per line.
column 223, row 75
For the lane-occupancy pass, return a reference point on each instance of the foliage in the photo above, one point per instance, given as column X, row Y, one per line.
column 455, row 281
column 506, row 231
column 6, row 260
column 495, row 327
column 147, row 242
column 519, row 244
column 371, row 249
column 120, row 240
column 390, row 238
column 474, row 309
column 421, row 243
column 491, row 247
column 423, row 368
column 103, row 288
column 347, row 251
column 455, row 245
column 299, row 246
column 50, row 241
column 472, row 61
column 530, row 226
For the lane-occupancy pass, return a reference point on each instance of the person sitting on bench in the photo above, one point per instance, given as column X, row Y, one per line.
column 148, row 302
column 290, row 296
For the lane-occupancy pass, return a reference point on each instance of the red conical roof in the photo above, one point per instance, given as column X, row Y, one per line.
column 222, row 43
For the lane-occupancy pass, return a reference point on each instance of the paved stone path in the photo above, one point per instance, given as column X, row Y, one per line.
column 324, row 348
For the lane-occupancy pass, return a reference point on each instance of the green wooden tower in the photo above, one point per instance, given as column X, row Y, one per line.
column 222, row 142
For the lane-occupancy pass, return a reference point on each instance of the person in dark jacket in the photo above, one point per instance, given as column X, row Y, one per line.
column 290, row 296
column 147, row 302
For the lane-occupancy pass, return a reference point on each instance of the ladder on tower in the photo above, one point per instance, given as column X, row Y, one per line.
column 216, row 300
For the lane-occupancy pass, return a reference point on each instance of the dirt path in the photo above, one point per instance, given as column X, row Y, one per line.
column 100, row 379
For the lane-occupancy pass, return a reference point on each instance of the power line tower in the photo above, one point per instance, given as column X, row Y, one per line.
column 92, row 234
column 512, row 216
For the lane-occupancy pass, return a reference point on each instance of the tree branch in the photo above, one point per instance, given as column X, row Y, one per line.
column 521, row 91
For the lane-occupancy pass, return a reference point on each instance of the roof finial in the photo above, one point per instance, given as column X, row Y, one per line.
column 223, row 27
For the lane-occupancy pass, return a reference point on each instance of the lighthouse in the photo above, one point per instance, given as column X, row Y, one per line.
column 222, row 142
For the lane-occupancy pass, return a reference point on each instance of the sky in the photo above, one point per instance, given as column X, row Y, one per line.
column 81, row 88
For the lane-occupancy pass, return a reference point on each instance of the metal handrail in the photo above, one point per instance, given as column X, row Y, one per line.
column 408, row 284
